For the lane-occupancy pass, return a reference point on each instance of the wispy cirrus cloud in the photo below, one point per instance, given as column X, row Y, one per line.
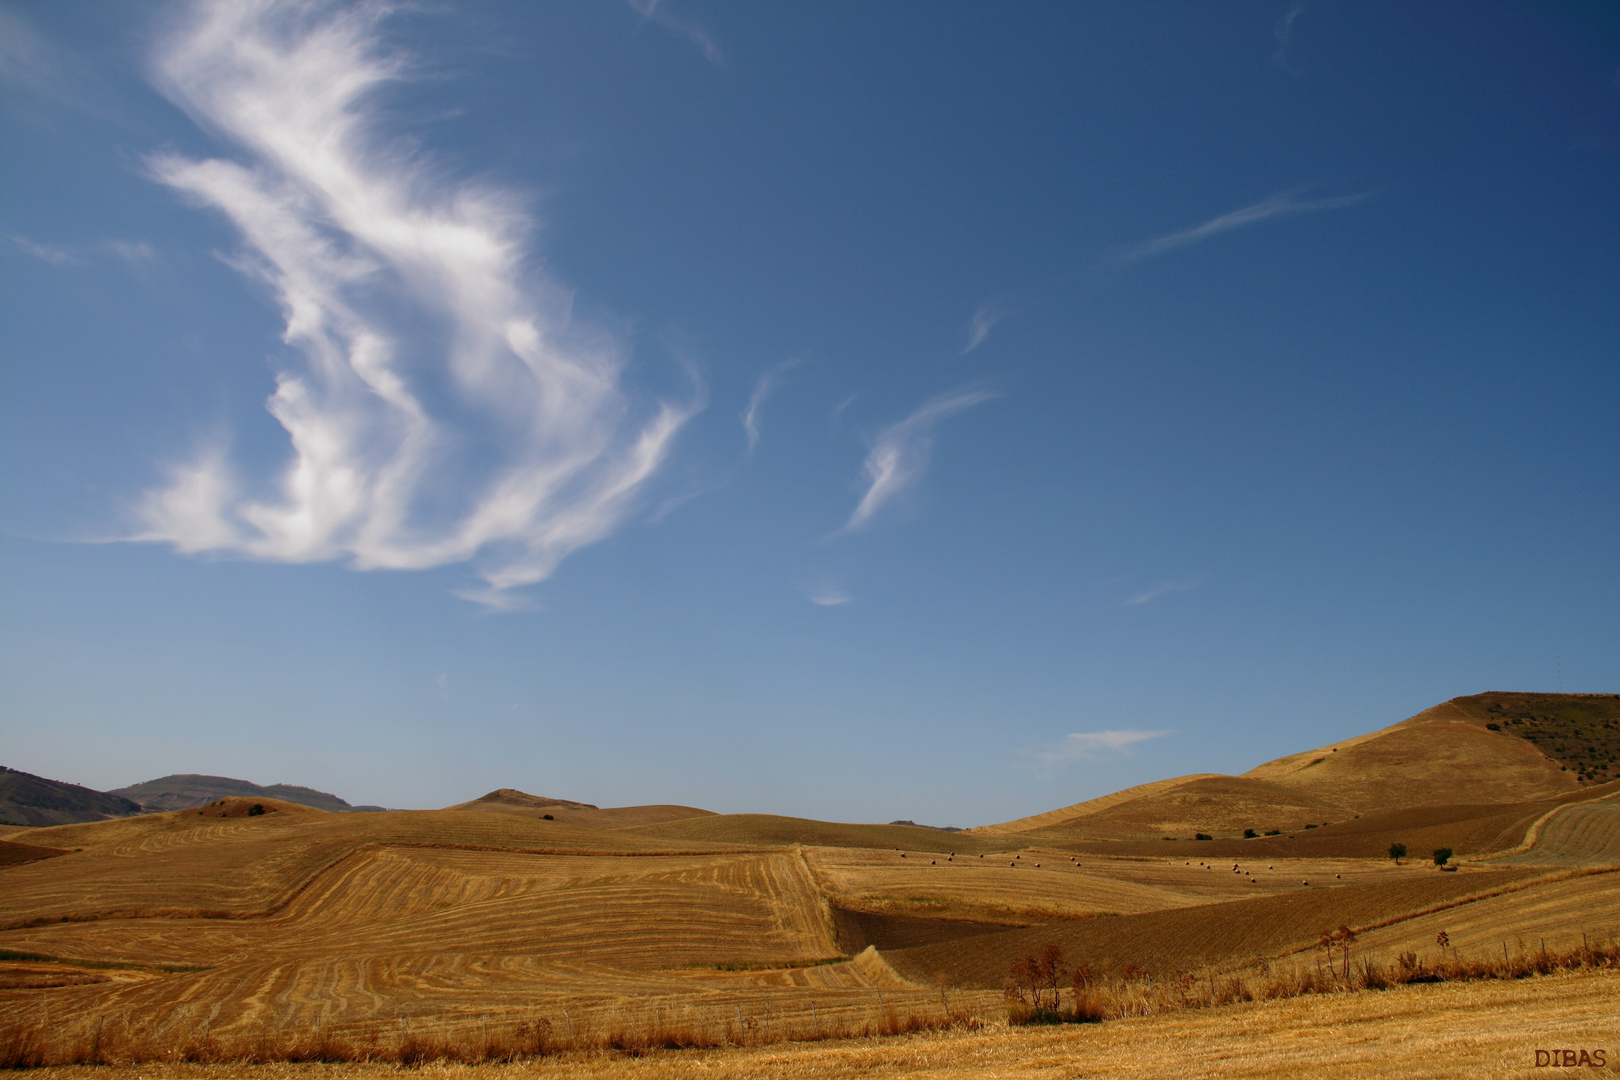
column 657, row 11
column 1282, row 204
column 36, row 67
column 830, row 597
column 137, row 253
column 441, row 402
column 1163, row 588
column 762, row 390
column 900, row 453
column 1284, row 33
column 55, row 254
column 1084, row 745
column 984, row 320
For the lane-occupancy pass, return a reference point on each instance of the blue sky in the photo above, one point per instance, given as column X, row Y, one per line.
column 941, row 411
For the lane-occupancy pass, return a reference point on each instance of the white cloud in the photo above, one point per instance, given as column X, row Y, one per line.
column 899, row 456
column 55, row 254
column 658, row 11
column 1284, row 32
column 767, row 383
column 984, row 320
column 830, row 597
column 1163, row 588
column 138, row 253
column 393, row 281
column 1283, row 204
column 1082, row 745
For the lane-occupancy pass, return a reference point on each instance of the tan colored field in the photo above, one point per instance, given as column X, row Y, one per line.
column 219, row 923
column 1587, row 834
column 1454, row 753
column 1557, row 916
column 1478, row 1030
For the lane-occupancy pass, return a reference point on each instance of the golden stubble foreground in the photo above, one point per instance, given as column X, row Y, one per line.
column 1490, row 1029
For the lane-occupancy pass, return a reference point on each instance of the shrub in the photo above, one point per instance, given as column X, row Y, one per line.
column 256, row 809
column 1249, row 834
column 1202, row 836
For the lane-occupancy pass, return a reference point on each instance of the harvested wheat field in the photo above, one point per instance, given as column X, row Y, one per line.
column 548, row 929
column 1487, row 1030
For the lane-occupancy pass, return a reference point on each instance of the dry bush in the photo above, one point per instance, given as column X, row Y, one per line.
column 28, row 1044
column 1137, row 994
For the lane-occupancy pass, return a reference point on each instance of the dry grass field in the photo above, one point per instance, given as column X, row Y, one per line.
column 545, row 926
column 1488, row 1030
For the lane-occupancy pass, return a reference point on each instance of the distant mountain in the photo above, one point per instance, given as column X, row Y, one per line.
column 26, row 799
column 513, row 797
column 182, row 791
column 936, row 828
column 569, row 812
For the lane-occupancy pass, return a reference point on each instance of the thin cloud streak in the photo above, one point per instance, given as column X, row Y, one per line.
column 984, row 320
column 1162, row 589
column 35, row 66
column 1283, row 204
column 54, row 254
column 767, row 383
column 657, row 11
column 1085, row 745
column 534, row 453
column 831, row 598
column 1284, row 32
column 137, row 253
column 899, row 456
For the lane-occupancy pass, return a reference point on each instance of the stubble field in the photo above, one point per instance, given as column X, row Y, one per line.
column 580, row 941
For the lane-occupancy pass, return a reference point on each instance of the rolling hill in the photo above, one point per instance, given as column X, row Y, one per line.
column 512, row 801
column 26, row 799
column 250, row 913
column 1496, row 749
column 181, row 791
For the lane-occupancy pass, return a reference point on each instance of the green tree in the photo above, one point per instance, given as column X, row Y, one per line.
column 1442, row 855
column 1397, row 852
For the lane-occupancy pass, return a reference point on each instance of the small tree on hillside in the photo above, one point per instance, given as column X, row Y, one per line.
column 1442, row 855
column 1397, row 852
column 1023, row 974
column 1049, row 971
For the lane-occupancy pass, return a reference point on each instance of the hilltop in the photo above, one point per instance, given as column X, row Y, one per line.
column 569, row 812
column 182, row 791
column 26, row 799
column 1492, row 750
column 520, row 916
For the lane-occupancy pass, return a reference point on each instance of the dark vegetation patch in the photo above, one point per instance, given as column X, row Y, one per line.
column 26, row 799
column 1579, row 731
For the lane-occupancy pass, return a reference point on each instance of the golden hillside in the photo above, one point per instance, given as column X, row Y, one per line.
column 253, row 915
column 1490, row 749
